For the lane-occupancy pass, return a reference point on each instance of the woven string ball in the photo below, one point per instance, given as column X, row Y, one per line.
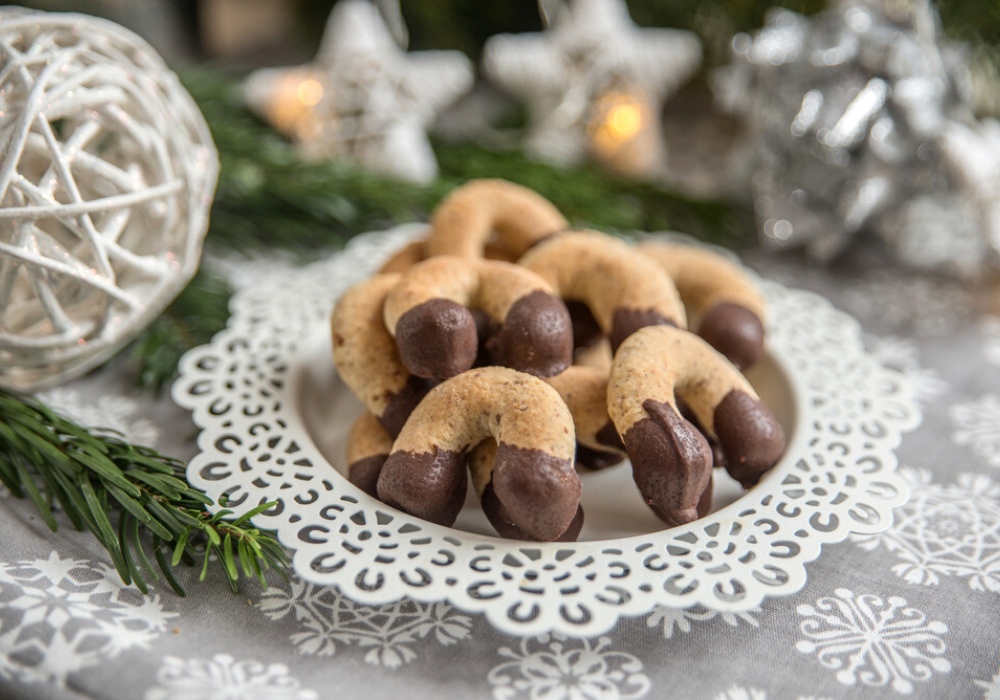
column 107, row 172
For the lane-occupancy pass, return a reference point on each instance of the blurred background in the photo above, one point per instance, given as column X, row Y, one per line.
column 703, row 128
column 243, row 33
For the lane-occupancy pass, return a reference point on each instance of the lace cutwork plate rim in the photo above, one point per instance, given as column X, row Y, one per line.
column 836, row 478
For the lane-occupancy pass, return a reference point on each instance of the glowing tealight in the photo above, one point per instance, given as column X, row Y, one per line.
column 624, row 121
column 310, row 92
column 622, row 133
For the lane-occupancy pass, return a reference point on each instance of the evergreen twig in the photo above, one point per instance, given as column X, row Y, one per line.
column 197, row 314
column 269, row 197
column 96, row 476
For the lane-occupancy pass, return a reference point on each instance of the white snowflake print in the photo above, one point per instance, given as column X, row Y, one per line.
column 977, row 426
column 224, row 678
column 681, row 618
column 114, row 412
column 388, row 632
column 738, row 693
column 553, row 667
column 992, row 687
column 945, row 530
column 900, row 354
column 909, row 303
column 877, row 642
column 58, row 616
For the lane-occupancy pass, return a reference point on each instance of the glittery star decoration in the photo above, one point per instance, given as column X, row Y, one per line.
column 363, row 99
column 594, row 84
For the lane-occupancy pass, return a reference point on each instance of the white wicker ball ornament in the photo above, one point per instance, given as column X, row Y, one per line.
column 107, row 172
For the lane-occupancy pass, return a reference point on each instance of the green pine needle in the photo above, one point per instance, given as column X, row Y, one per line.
column 269, row 198
column 197, row 314
column 134, row 500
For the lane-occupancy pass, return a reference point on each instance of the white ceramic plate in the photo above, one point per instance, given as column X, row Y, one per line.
column 274, row 417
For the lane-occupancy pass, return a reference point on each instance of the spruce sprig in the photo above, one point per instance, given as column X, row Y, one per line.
column 269, row 197
column 197, row 314
column 96, row 476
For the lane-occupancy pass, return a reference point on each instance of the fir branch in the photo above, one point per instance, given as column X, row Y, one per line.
column 269, row 197
column 197, row 314
column 95, row 476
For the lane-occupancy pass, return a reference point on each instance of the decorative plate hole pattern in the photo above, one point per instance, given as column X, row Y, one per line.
column 249, row 391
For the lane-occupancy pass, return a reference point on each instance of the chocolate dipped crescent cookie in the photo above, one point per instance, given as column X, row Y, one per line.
column 428, row 312
column 574, row 353
column 671, row 459
column 532, row 476
column 481, row 464
column 726, row 309
column 584, row 390
column 465, row 221
column 368, row 446
column 623, row 289
column 366, row 355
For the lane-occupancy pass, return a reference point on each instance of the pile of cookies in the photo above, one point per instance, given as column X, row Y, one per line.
column 511, row 348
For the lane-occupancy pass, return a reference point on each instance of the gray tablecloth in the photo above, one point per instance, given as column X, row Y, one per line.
column 913, row 611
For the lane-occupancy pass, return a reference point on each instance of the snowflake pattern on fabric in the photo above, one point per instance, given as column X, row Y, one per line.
column 877, row 642
column 327, row 619
column 114, row 412
column 909, row 303
column 680, row 619
column 58, row 616
column 738, row 693
column 554, row 667
column 945, row 530
column 977, row 426
column 901, row 354
column 992, row 687
column 991, row 348
column 224, row 678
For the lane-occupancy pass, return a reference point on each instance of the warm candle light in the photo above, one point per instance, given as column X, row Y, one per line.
column 310, row 92
column 293, row 102
column 624, row 121
column 621, row 132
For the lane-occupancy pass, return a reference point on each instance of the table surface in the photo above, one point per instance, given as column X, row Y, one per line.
column 913, row 611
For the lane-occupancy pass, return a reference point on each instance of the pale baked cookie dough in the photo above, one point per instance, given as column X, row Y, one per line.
column 533, row 475
column 724, row 305
column 624, row 289
column 368, row 446
column 471, row 215
column 429, row 311
column 366, row 356
column 671, row 459
column 584, row 390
